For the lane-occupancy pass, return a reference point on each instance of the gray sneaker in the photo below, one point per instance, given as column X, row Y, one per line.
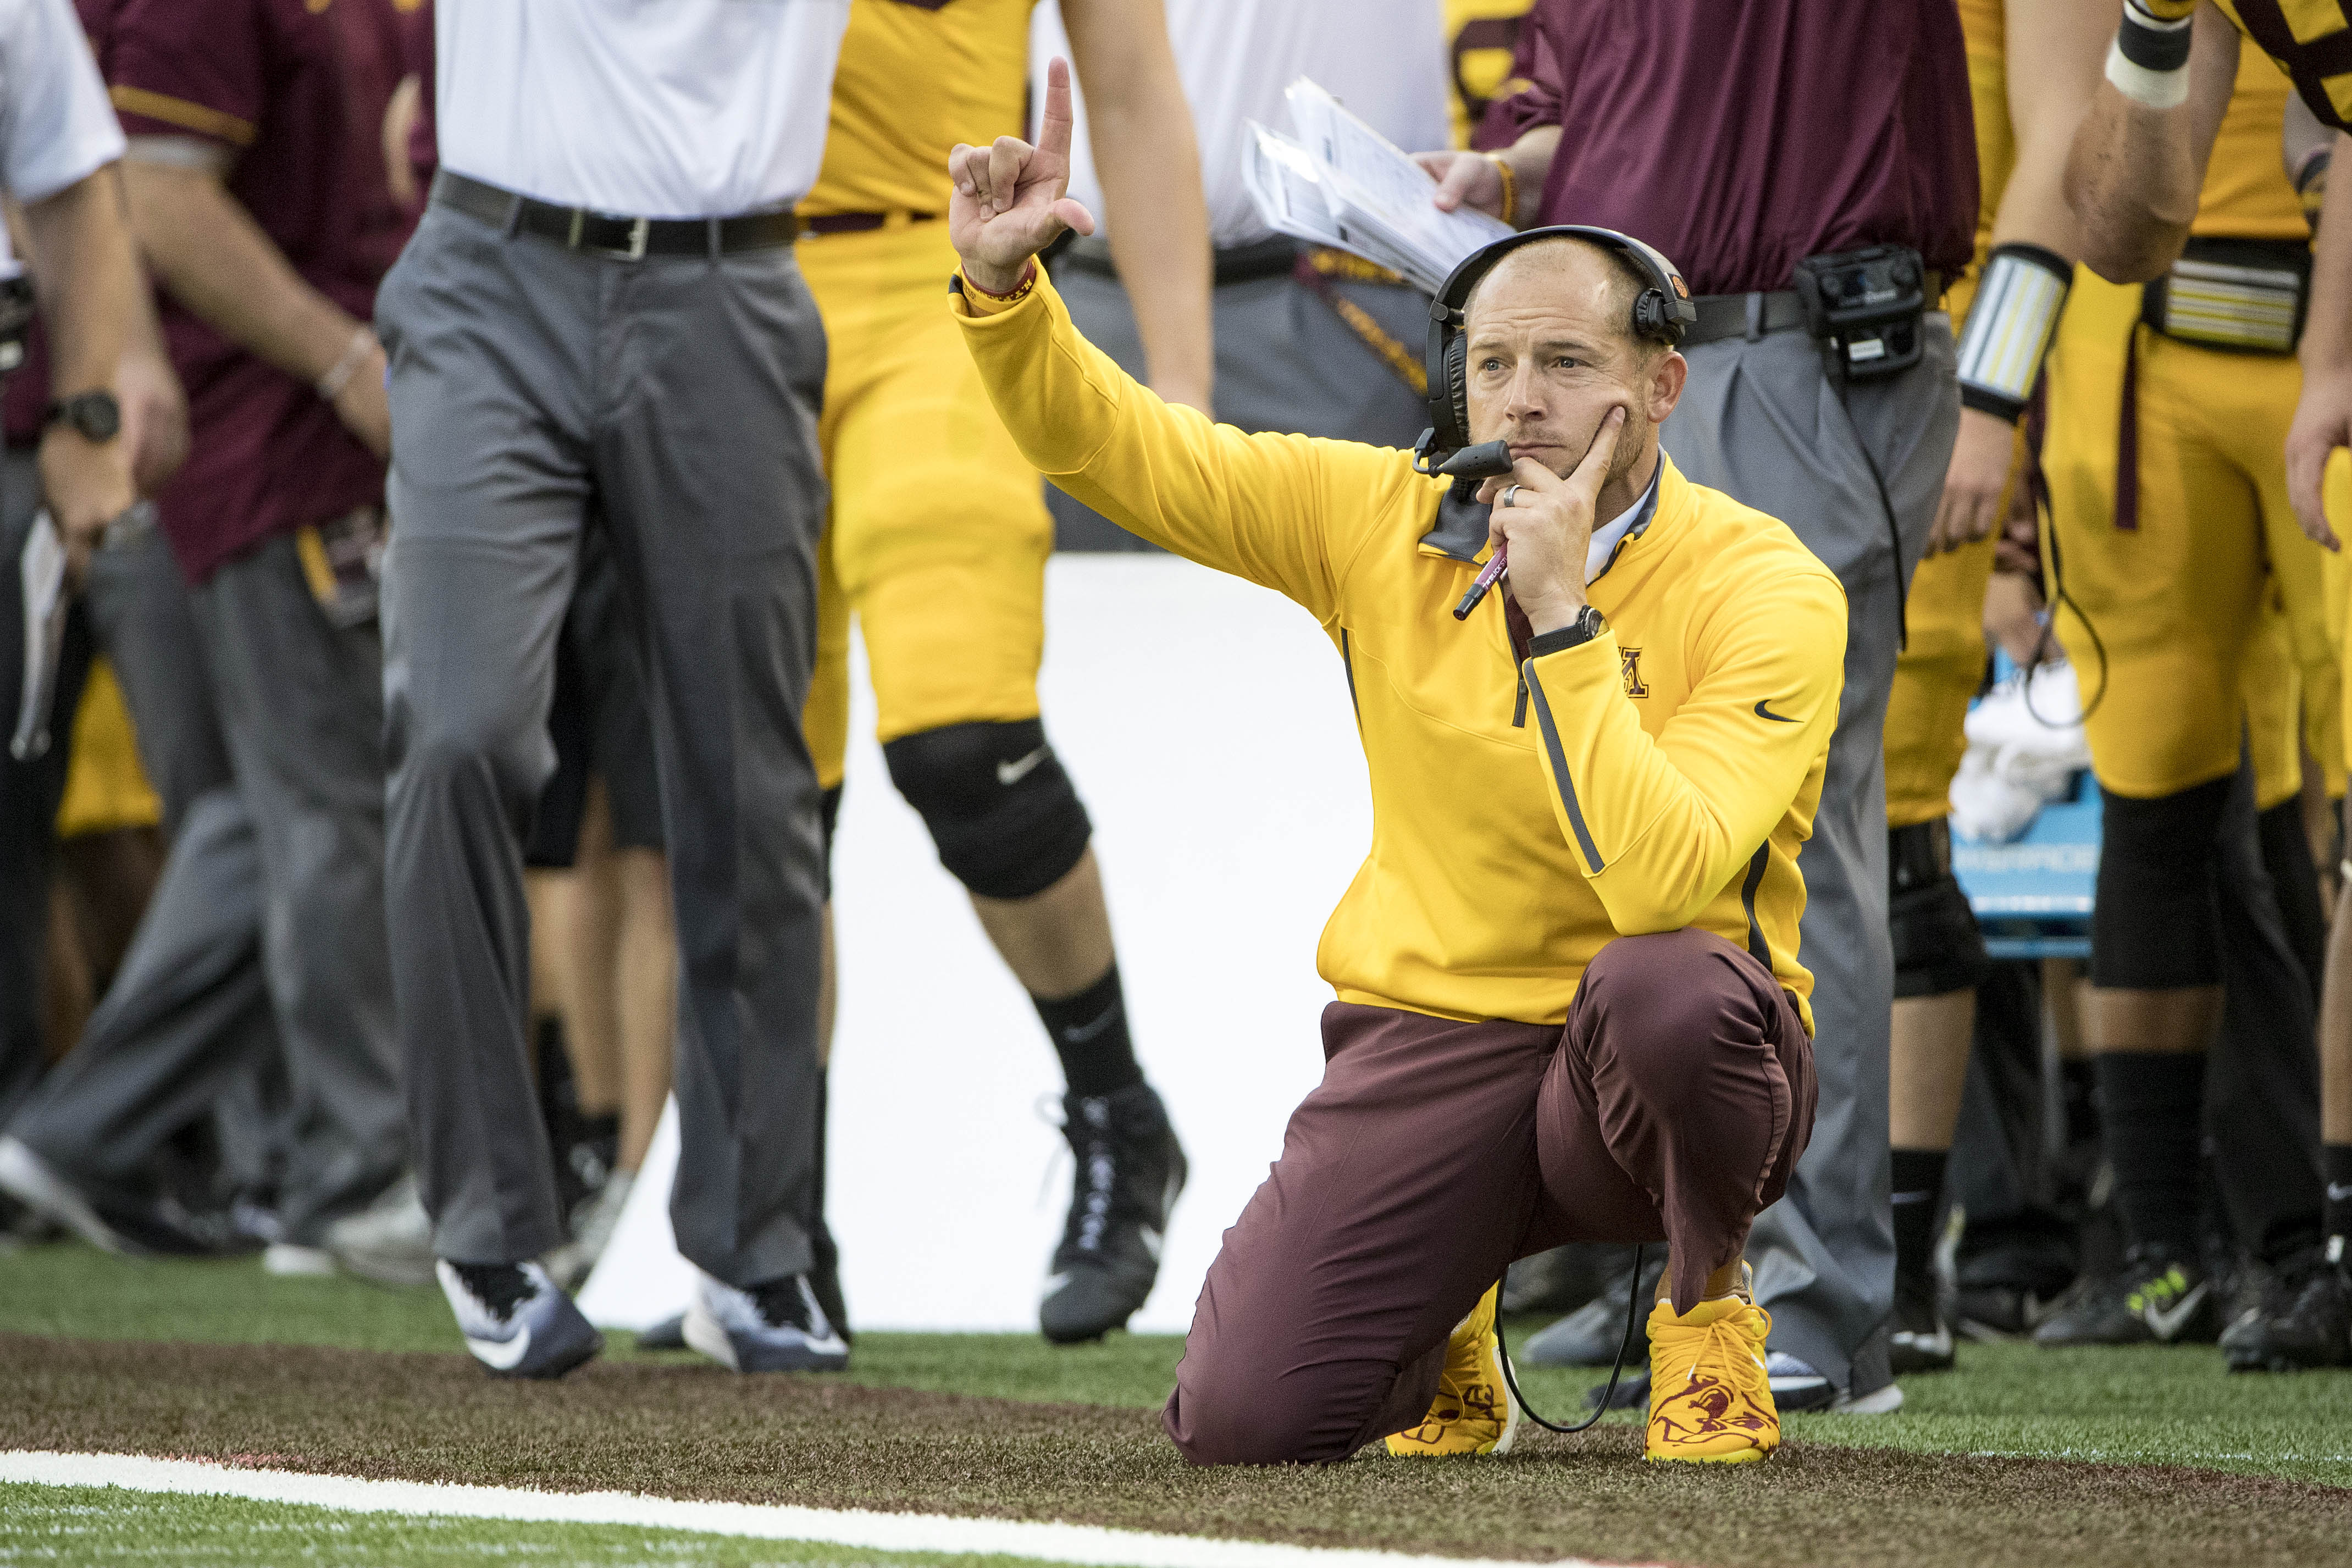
column 516, row 1323
column 390, row 1242
column 773, row 1327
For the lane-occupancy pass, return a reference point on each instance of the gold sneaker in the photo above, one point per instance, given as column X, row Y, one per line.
column 1710, row 1398
column 1473, row 1412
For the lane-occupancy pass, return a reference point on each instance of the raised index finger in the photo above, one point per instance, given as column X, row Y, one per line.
column 1593, row 471
column 1054, row 130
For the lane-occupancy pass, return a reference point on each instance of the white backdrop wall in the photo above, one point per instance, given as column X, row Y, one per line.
column 1207, row 725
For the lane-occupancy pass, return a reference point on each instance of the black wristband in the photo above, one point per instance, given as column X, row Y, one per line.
column 2150, row 44
column 2007, row 410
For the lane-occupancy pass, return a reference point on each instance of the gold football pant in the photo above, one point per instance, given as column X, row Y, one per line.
column 938, row 534
column 1936, row 676
column 2205, row 594
column 105, row 789
column 2337, row 573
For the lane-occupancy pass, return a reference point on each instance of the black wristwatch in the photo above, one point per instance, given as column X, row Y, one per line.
column 1589, row 623
column 95, row 415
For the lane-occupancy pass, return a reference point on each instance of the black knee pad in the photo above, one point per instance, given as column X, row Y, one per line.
column 1001, row 810
column 1938, row 945
column 2153, row 925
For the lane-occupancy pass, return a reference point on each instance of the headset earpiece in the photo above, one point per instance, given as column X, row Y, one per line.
column 1457, row 383
column 1650, row 314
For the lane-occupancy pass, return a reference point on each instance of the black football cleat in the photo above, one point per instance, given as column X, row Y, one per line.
column 2303, row 1319
column 1130, row 1169
column 1920, row 1340
column 2156, row 1298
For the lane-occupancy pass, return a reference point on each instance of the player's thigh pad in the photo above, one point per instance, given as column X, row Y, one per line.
column 1001, row 810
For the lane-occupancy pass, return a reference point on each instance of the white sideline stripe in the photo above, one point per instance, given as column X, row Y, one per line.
column 1054, row 1542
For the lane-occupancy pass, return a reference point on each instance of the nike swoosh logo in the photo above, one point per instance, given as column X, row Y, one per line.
column 1010, row 773
column 1763, row 712
column 2168, row 1324
column 2338, row 1191
column 501, row 1355
column 1084, row 1032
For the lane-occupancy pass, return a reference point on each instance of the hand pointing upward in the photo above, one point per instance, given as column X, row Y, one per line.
column 1008, row 202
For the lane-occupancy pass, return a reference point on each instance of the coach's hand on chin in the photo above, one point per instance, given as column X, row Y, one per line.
column 1547, row 522
column 1008, row 202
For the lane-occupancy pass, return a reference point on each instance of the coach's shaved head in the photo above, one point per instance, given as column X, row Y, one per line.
column 1567, row 262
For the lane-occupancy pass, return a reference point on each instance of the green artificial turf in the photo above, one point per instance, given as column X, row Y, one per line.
column 95, row 1527
column 694, row 1430
column 2146, row 1406
column 73, row 1292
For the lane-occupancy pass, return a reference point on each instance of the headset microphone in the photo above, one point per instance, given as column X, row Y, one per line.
column 1488, row 460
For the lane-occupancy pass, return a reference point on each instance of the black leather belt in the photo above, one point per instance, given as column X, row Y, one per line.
column 1722, row 315
column 605, row 234
column 858, row 223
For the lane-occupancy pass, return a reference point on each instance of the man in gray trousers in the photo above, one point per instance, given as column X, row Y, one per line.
column 600, row 309
column 188, row 1014
column 260, row 206
column 1698, row 129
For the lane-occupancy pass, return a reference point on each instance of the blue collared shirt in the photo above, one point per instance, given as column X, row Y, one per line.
column 1628, row 524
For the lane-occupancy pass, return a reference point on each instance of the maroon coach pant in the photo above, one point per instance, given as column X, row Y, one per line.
column 1672, row 1107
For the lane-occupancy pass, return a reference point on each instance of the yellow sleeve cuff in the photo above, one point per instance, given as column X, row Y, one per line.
column 1590, row 667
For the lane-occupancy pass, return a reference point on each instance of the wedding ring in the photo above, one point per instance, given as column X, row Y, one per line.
column 1510, row 495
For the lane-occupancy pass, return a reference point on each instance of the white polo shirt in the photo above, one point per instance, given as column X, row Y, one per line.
column 56, row 126
column 646, row 108
column 1385, row 59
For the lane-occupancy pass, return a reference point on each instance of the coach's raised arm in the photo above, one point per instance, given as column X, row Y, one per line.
column 1570, row 1004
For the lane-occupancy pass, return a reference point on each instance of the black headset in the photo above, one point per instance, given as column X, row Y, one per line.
column 1662, row 312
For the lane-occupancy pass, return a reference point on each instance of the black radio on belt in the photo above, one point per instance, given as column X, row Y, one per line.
column 17, row 309
column 1865, row 305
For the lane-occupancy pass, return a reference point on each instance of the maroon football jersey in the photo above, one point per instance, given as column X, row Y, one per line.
column 1741, row 139
column 295, row 92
